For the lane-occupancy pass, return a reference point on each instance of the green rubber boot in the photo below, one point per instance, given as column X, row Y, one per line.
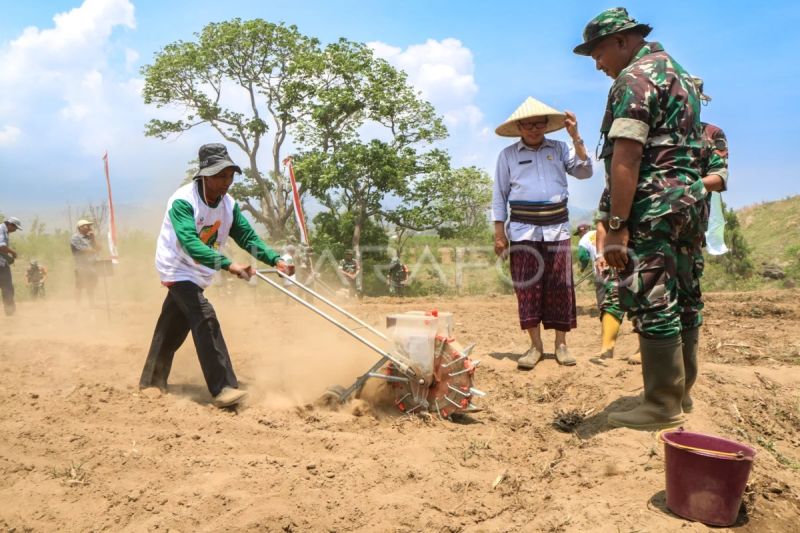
column 691, row 340
column 662, row 370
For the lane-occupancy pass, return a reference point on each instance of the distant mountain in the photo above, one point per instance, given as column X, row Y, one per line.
column 580, row 215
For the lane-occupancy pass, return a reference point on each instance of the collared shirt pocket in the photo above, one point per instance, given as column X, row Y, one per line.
column 556, row 169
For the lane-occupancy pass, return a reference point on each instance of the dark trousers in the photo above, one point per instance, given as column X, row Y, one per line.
column 185, row 309
column 7, row 288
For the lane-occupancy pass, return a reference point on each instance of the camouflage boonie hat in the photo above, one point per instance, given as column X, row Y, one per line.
column 607, row 23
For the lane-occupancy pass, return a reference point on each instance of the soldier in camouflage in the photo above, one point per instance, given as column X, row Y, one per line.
column 36, row 276
column 653, row 151
column 605, row 286
column 350, row 271
column 715, row 162
column 397, row 277
column 690, row 261
column 606, row 290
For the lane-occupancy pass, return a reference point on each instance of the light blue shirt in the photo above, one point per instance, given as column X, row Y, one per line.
column 535, row 175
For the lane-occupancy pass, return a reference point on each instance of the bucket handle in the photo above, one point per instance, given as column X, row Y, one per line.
column 737, row 455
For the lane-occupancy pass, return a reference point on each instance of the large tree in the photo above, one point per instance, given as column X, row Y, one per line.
column 368, row 142
column 455, row 202
column 245, row 79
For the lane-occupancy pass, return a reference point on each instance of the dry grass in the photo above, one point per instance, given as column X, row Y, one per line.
column 72, row 475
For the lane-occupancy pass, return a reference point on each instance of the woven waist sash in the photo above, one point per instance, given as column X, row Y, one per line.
column 539, row 213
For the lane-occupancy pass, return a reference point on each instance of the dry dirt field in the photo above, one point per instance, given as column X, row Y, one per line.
column 81, row 449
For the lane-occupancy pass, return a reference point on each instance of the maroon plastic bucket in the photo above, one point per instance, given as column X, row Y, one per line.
column 706, row 476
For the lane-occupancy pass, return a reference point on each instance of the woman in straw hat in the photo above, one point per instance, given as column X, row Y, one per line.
column 529, row 207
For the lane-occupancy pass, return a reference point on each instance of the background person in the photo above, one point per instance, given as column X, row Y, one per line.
column 35, row 276
column 84, row 250
column 397, row 277
column 7, row 257
column 607, row 294
column 715, row 180
column 351, row 270
column 531, row 179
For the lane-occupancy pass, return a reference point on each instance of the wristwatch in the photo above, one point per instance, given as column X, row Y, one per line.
column 615, row 223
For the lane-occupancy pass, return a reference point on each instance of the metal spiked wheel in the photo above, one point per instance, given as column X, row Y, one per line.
column 450, row 390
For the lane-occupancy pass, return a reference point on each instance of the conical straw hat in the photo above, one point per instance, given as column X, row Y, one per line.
column 531, row 107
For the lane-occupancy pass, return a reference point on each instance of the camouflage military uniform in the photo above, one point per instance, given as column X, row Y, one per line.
column 35, row 275
column 715, row 161
column 691, row 262
column 350, row 265
column 605, row 282
column 398, row 274
column 654, row 100
column 607, row 294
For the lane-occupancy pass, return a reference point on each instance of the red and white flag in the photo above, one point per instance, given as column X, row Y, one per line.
column 298, row 207
column 112, row 227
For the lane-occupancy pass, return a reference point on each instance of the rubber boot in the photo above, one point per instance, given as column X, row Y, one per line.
column 691, row 340
column 662, row 370
column 609, row 331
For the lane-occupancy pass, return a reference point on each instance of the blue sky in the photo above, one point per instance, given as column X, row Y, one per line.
column 71, row 86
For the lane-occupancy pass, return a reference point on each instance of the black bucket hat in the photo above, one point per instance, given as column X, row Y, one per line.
column 214, row 159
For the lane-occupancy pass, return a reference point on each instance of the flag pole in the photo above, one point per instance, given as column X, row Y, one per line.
column 298, row 207
column 301, row 221
column 112, row 235
column 112, row 228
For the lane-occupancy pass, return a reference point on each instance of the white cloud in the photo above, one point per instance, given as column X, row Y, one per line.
column 9, row 135
column 441, row 70
column 70, row 88
column 76, row 40
column 131, row 57
column 444, row 73
column 60, row 71
column 469, row 115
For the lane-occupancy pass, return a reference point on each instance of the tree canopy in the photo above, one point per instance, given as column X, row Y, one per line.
column 366, row 138
column 244, row 79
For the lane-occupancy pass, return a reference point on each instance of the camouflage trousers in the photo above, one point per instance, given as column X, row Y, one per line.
column 660, row 286
column 607, row 293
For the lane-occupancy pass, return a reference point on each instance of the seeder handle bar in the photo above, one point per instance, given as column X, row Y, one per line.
column 400, row 365
column 327, row 301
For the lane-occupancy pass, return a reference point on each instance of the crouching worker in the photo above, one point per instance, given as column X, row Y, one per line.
column 199, row 219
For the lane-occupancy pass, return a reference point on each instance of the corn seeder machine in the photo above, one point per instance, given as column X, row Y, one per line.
column 427, row 369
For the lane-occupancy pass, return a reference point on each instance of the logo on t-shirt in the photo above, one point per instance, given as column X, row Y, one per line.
column 208, row 234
